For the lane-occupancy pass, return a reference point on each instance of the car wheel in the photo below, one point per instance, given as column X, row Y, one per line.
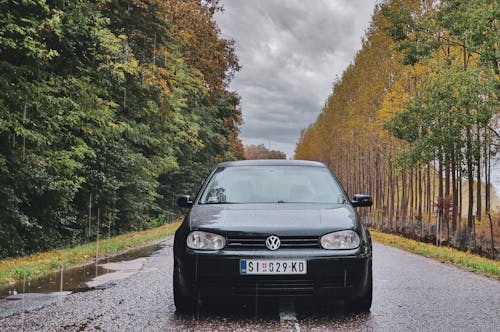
column 364, row 303
column 183, row 300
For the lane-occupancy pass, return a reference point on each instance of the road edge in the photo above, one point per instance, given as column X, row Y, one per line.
column 37, row 265
column 463, row 260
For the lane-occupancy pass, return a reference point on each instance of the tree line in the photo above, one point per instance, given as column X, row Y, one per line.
column 253, row 151
column 108, row 108
column 414, row 120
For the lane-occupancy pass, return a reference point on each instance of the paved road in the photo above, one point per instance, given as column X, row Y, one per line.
column 411, row 293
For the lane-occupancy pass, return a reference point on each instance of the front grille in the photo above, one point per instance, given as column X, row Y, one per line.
column 280, row 286
column 287, row 242
column 273, row 287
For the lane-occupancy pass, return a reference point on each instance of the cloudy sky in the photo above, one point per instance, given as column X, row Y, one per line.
column 291, row 52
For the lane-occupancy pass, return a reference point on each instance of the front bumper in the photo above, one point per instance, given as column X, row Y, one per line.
column 330, row 275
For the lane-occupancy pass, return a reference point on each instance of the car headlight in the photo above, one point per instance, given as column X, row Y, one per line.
column 205, row 241
column 340, row 240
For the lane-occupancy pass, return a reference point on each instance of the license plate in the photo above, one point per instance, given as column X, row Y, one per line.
column 273, row 266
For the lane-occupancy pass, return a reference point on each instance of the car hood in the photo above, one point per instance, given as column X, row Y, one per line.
column 278, row 219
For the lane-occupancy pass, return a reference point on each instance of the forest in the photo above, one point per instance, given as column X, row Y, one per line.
column 414, row 122
column 253, row 151
column 108, row 109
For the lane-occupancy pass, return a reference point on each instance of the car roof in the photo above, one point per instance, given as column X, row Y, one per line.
column 271, row 162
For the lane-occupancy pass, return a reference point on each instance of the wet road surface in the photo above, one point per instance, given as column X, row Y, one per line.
column 411, row 293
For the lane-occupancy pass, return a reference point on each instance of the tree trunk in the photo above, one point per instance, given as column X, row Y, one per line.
column 478, row 188
column 460, row 200
column 455, row 195
column 492, row 238
column 487, row 174
column 419, row 218
column 440, row 199
column 404, row 199
column 412, row 188
column 391, row 204
column 447, row 199
column 470, row 180
column 428, row 190
column 398, row 211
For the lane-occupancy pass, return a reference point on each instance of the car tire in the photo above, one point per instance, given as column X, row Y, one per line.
column 184, row 302
column 363, row 303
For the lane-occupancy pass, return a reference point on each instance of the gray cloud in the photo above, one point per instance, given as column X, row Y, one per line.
column 291, row 51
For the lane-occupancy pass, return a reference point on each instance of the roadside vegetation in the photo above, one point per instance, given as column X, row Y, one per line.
column 40, row 264
column 253, row 151
column 108, row 109
column 414, row 122
column 463, row 260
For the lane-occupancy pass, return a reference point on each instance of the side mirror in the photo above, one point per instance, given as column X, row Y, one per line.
column 184, row 201
column 361, row 200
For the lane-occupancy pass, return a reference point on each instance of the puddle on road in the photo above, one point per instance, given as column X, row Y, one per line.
column 81, row 278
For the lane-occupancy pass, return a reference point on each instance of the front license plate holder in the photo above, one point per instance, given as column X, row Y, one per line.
column 273, row 266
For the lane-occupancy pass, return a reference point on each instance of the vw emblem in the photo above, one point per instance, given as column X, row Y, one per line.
column 273, row 242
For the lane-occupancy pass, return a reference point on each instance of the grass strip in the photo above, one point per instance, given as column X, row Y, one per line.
column 463, row 260
column 37, row 265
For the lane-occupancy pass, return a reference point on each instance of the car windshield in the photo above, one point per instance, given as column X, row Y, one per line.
column 272, row 184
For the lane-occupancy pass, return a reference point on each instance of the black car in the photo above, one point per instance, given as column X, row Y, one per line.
column 264, row 229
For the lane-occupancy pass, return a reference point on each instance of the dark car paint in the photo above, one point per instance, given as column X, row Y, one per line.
column 213, row 272
column 277, row 219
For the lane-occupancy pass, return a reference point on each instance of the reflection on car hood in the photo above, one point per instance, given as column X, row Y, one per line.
column 279, row 219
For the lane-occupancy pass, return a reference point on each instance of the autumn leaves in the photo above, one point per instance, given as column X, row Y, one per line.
column 414, row 119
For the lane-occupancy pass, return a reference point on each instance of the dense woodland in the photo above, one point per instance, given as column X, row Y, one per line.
column 253, row 151
column 108, row 108
column 414, row 120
